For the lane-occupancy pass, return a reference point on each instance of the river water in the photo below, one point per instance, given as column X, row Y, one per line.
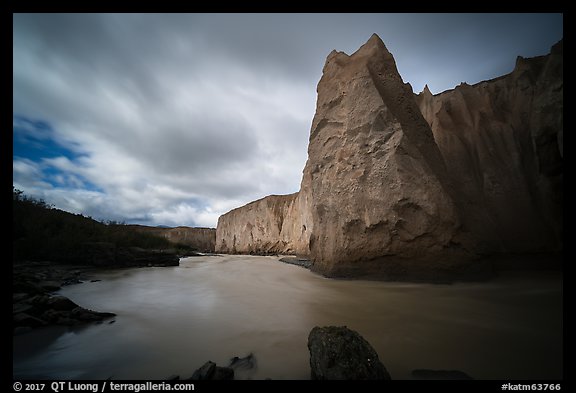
column 171, row 320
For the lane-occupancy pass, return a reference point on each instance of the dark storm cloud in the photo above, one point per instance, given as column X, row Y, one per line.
column 177, row 118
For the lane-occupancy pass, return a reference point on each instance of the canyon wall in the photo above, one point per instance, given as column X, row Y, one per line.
column 405, row 186
column 274, row 224
column 502, row 144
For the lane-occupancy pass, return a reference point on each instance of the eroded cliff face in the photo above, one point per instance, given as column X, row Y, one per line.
column 274, row 224
column 378, row 185
column 399, row 186
column 501, row 141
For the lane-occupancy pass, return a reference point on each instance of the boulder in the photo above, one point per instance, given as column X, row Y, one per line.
column 245, row 363
column 244, row 368
column 223, row 374
column 209, row 371
column 343, row 354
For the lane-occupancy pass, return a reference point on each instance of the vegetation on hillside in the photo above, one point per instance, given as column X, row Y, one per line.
column 42, row 232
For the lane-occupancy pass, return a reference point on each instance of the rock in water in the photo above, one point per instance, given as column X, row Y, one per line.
column 210, row 371
column 341, row 353
column 205, row 372
column 223, row 374
column 406, row 187
column 41, row 310
column 244, row 368
column 246, row 363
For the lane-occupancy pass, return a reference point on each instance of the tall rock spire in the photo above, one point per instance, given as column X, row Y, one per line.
column 375, row 177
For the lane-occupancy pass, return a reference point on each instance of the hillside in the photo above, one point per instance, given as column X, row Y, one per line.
column 43, row 233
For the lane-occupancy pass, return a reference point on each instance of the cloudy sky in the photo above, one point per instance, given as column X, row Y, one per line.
column 175, row 119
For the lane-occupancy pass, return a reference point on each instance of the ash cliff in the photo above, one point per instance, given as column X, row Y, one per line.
column 502, row 144
column 418, row 187
column 274, row 224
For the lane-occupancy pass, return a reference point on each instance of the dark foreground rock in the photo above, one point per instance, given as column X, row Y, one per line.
column 44, row 277
column 35, row 305
column 245, row 363
column 338, row 353
column 244, row 368
column 423, row 374
column 45, row 309
column 210, row 371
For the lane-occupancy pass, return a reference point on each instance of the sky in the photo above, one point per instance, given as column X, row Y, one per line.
column 175, row 119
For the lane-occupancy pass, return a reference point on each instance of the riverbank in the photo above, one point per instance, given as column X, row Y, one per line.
column 35, row 303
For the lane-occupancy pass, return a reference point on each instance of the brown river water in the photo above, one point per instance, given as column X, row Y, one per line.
column 172, row 320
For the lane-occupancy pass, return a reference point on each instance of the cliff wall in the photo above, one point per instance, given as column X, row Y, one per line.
column 501, row 141
column 274, row 224
column 405, row 186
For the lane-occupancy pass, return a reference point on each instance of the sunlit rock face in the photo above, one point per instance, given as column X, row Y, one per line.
column 271, row 225
column 405, row 186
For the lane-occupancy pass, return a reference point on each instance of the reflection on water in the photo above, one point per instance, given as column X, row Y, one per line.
column 171, row 320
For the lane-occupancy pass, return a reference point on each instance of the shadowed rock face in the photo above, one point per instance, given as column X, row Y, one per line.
column 501, row 141
column 399, row 186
